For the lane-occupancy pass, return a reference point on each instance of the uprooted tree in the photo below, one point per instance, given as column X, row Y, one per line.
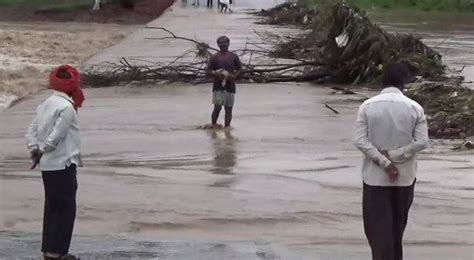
column 345, row 39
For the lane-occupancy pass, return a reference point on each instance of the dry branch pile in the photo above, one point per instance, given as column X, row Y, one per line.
column 191, row 66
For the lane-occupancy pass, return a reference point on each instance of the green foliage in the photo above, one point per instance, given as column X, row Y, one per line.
column 343, row 37
column 61, row 6
column 47, row 2
column 425, row 5
column 127, row 3
column 65, row 5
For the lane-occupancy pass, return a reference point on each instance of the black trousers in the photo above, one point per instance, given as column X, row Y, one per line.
column 385, row 213
column 209, row 2
column 59, row 209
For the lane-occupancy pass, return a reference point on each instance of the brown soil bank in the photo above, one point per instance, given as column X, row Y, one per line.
column 143, row 12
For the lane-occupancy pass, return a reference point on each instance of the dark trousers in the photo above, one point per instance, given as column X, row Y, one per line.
column 59, row 209
column 209, row 2
column 385, row 213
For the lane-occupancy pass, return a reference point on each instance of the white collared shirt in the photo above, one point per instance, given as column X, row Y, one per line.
column 393, row 122
column 55, row 132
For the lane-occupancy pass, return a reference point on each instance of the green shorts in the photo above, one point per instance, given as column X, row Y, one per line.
column 223, row 98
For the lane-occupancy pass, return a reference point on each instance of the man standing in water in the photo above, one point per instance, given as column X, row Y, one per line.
column 225, row 67
column 53, row 140
column 390, row 130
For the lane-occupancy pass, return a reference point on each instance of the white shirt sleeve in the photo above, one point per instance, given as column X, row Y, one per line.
column 60, row 129
column 420, row 137
column 361, row 140
column 32, row 133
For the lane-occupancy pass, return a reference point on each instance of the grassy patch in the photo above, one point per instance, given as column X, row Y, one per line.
column 424, row 5
column 54, row 6
column 46, row 2
column 62, row 8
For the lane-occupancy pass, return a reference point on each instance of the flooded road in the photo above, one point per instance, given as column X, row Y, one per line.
column 284, row 183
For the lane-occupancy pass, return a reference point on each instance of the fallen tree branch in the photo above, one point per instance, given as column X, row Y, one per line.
column 191, row 66
column 332, row 109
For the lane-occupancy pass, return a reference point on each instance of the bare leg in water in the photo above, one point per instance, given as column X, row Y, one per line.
column 215, row 114
column 228, row 116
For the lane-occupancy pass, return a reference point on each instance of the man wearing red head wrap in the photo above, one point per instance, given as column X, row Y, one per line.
column 53, row 140
column 66, row 79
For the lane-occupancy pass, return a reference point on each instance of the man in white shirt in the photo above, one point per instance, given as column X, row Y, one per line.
column 390, row 130
column 53, row 140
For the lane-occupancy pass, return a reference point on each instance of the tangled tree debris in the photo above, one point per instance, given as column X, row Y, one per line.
column 191, row 66
column 356, row 49
column 288, row 13
column 450, row 109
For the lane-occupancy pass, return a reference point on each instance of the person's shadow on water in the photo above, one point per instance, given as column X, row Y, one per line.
column 225, row 157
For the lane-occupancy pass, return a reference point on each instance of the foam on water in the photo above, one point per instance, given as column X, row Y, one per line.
column 6, row 100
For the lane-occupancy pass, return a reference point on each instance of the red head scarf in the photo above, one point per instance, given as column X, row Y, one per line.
column 69, row 86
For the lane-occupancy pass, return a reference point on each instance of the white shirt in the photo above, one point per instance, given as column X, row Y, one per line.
column 55, row 132
column 393, row 122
